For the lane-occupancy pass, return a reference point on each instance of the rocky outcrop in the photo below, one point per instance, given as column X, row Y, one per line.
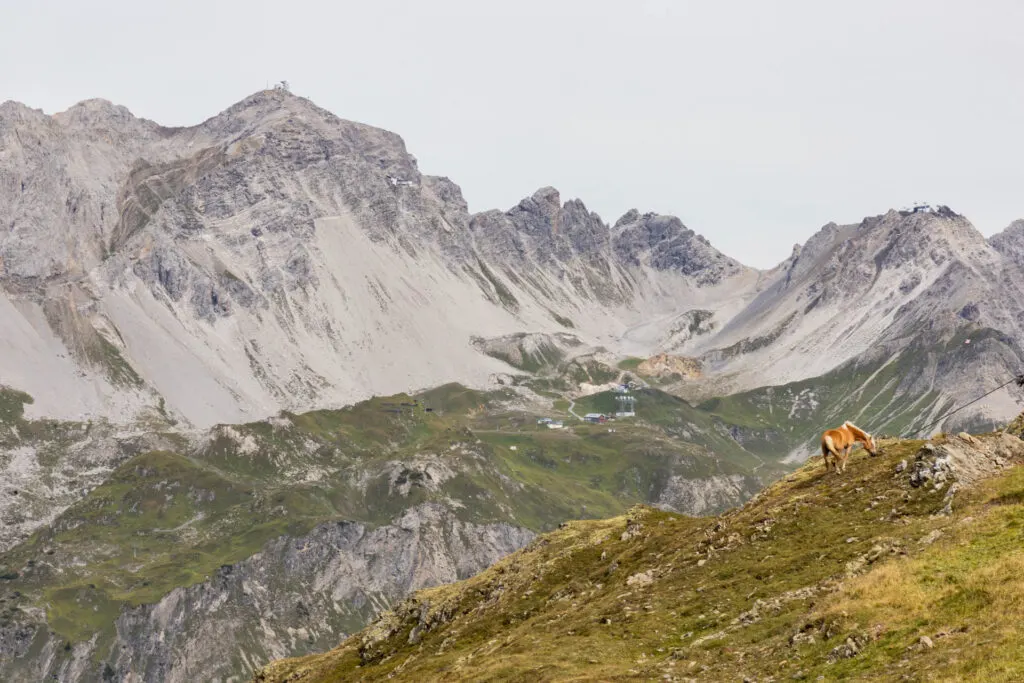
column 964, row 459
column 665, row 244
column 665, row 365
column 530, row 352
column 708, row 495
column 1016, row 427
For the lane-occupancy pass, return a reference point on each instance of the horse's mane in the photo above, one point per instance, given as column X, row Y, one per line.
column 857, row 431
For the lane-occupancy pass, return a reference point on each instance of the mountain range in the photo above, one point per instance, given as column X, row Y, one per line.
column 278, row 257
column 261, row 376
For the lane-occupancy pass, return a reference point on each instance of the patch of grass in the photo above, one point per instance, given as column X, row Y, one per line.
column 12, row 405
column 562, row 320
column 117, row 368
column 630, row 364
column 589, row 370
column 507, row 299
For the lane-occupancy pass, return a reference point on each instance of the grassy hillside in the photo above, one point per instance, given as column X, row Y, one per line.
column 909, row 567
column 892, row 395
column 170, row 518
column 778, row 419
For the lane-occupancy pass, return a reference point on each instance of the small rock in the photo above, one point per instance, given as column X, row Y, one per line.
column 927, row 642
column 641, row 579
column 802, row 639
column 849, row 649
column 901, row 465
column 852, row 539
column 701, row 562
column 933, row 536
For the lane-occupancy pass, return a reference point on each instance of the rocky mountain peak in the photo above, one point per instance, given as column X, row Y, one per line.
column 96, row 113
column 894, row 240
column 12, row 112
column 1010, row 242
column 546, row 196
column 1013, row 234
column 924, row 237
column 664, row 243
column 628, row 218
column 539, row 212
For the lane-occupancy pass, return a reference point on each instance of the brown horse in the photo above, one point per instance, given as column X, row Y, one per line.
column 836, row 445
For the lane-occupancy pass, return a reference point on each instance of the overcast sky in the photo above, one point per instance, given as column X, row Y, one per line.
column 755, row 122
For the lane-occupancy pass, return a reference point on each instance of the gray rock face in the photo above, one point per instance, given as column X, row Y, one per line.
column 706, row 496
column 664, row 243
column 296, row 596
column 1010, row 242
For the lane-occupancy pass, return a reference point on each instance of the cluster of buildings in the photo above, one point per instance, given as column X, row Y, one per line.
column 625, row 407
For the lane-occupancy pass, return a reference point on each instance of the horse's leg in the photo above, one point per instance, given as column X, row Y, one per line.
column 828, row 454
column 846, row 456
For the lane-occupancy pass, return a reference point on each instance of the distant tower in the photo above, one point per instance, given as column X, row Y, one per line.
column 627, row 405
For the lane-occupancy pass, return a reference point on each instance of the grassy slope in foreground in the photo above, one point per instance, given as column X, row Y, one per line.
column 839, row 577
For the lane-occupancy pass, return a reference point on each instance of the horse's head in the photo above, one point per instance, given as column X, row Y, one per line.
column 871, row 446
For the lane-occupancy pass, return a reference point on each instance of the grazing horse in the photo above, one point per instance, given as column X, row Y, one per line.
column 836, row 445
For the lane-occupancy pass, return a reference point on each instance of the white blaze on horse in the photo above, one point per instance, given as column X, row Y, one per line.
column 836, row 445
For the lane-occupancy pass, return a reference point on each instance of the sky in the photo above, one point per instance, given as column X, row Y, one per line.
column 754, row 122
